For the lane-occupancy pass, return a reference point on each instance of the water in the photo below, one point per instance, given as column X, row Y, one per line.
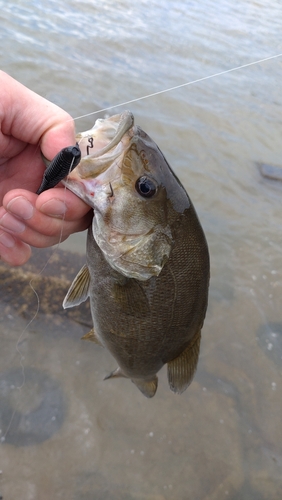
column 223, row 437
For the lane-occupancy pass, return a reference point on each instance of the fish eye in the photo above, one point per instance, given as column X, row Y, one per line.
column 145, row 186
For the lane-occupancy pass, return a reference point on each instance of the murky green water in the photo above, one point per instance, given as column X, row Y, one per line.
column 223, row 437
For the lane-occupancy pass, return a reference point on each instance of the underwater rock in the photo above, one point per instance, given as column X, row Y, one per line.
column 270, row 171
column 50, row 281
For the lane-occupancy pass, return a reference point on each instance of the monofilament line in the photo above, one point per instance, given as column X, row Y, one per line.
column 39, row 274
column 2, row 439
column 198, row 80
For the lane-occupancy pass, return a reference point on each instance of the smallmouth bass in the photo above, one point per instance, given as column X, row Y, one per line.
column 147, row 270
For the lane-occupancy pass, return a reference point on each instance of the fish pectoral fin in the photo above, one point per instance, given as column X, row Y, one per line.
column 79, row 289
column 180, row 371
column 147, row 387
column 131, row 298
column 92, row 337
column 115, row 374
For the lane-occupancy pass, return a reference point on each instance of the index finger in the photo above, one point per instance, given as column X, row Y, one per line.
column 33, row 119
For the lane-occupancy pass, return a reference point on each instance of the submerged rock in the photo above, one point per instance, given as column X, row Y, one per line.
column 270, row 171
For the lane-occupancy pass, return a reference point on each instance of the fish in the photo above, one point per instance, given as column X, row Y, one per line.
column 147, row 260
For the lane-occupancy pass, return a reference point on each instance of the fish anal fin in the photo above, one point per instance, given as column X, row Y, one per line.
column 79, row 289
column 92, row 337
column 180, row 371
column 147, row 387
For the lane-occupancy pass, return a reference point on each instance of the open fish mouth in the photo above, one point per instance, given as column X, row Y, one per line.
column 95, row 150
column 100, row 146
column 109, row 131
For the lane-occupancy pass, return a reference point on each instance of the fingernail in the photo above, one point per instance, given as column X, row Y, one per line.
column 21, row 207
column 10, row 222
column 7, row 240
column 54, row 208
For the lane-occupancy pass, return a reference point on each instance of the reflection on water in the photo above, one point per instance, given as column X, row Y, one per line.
column 222, row 438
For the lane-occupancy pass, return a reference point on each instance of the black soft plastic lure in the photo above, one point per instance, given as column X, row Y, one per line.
column 63, row 163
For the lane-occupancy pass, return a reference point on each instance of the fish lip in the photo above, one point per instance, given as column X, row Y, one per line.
column 125, row 124
column 92, row 165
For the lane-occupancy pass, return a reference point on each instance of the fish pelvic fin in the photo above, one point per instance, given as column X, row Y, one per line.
column 115, row 374
column 147, row 387
column 79, row 289
column 92, row 337
column 180, row 371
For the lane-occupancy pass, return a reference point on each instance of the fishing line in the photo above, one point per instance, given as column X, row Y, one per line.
column 147, row 96
column 2, row 439
column 198, row 80
column 108, row 108
column 55, row 248
column 186, row 84
column 19, row 387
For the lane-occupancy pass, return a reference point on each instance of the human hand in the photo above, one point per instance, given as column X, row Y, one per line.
column 30, row 124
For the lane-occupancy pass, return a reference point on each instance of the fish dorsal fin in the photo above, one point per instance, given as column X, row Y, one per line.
column 79, row 289
column 180, row 371
column 147, row 387
column 92, row 337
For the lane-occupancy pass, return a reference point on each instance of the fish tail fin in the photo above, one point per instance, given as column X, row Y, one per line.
column 115, row 374
column 147, row 387
column 180, row 371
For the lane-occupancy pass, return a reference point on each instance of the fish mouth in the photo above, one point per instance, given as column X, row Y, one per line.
column 110, row 129
column 100, row 148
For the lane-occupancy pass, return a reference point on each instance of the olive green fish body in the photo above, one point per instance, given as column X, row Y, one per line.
column 147, row 324
column 147, row 270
